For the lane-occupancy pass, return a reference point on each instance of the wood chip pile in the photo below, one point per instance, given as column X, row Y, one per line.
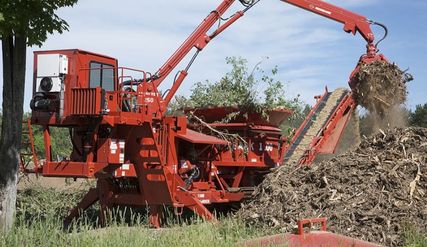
column 369, row 193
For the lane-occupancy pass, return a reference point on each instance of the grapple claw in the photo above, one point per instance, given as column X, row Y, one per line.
column 370, row 57
column 377, row 84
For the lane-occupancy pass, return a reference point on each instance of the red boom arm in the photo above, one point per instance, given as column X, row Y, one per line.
column 198, row 39
column 352, row 22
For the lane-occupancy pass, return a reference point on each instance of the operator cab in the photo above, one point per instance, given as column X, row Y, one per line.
column 67, row 82
column 102, row 75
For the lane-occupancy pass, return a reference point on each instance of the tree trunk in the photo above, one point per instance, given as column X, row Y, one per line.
column 14, row 59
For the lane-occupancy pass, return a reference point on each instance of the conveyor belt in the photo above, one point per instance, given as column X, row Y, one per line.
column 314, row 125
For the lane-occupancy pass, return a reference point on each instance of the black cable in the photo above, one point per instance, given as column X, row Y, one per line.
column 174, row 80
column 149, row 76
column 249, row 5
column 228, row 18
column 176, row 76
column 167, row 91
column 385, row 32
column 192, row 60
column 221, row 18
column 246, row 3
column 195, row 173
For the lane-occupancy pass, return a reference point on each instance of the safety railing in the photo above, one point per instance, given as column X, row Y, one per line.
column 123, row 98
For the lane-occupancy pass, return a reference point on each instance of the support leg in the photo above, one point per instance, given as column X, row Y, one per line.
column 105, row 193
column 155, row 214
column 202, row 211
column 88, row 200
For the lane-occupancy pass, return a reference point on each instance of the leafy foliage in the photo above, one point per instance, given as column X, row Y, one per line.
column 300, row 111
column 241, row 88
column 419, row 116
column 60, row 141
column 34, row 19
column 47, row 202
column 256, row 91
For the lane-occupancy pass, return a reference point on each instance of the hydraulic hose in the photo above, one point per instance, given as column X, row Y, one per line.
column 385, row 32
column 248, row 4
column 195, row 173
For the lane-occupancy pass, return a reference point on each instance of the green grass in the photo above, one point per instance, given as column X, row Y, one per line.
column 39, row 223
column 49, row 233
column 414, row 237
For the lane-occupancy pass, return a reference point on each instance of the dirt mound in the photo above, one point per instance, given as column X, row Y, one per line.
column 381, row 86
column 369, row 193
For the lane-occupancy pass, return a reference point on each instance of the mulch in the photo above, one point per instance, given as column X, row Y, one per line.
column 370, row 193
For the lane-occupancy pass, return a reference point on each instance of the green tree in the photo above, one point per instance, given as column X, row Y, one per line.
column 22, row 23
column 419, row 116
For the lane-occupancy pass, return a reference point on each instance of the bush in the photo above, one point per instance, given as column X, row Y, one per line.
column 250, row 90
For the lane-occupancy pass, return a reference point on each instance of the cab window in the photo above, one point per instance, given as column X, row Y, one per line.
column 101, row 75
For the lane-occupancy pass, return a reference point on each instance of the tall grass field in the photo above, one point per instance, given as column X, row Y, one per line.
column 39, row 223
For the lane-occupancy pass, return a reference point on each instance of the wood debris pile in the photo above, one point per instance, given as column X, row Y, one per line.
column 381, row 86
column 369, row 193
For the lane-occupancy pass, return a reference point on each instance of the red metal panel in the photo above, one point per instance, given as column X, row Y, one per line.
column 125, row 170
column 352, row 21
column 72, row 169
column 331, row 143
column 211, row 115
column 249, row 126
column 239, row 163
column 196, row 137
column 86, row 101
column 310, row 239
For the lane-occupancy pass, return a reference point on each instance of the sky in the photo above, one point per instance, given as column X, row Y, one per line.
column 311, row 52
